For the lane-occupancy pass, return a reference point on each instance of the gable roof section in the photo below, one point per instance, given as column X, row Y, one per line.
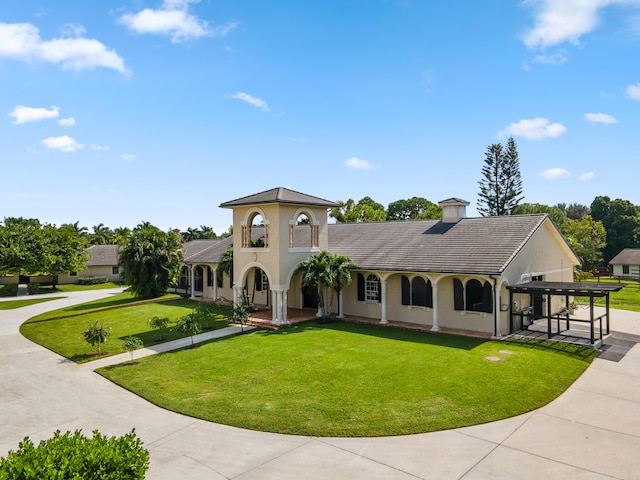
column 628, row 256
column 102, row 255
column 279, row 195
column 484, row 245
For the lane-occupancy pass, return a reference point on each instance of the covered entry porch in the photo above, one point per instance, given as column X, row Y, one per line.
column 558, row 320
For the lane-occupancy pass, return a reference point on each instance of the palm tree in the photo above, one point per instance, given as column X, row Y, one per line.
column 225, row 264
column 101, row 235
column 326, row 272
column 151, row 260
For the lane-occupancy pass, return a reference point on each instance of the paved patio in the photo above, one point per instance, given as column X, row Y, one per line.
column 591, row 432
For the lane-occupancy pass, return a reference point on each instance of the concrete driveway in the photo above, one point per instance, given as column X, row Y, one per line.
column 591, row 432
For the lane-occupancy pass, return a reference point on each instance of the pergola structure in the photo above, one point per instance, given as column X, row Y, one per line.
column 520, row 319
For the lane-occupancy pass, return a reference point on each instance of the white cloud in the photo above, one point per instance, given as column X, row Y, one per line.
column 21, row 41
column 587, row 177
column 173, row 19
column 559, row 21
column 63, row 144
column 554, row 59
column 633, row 91
column 67, row 122
column 555, row 174
column 358, row 164
column 603, row 118
column 256, row 102
column 533, row 129
column 99, row 148
column 23, row 114
column 128, row 157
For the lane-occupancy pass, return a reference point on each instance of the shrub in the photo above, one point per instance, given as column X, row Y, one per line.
column 190, row 324
column 10, row 290
column 33, row 288
column 76, row 456
column 92, row 280
column 131, row 344
column 96, row 335
column 159, row 323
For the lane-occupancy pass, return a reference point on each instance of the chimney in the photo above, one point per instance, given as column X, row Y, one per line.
column 453, row 209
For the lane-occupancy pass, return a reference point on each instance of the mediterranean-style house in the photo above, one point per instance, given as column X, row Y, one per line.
column 448, row 273
column 626, row 264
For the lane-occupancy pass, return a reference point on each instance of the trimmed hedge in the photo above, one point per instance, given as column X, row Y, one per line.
column 10, row 290
column 70, row 456
column 33, row 288
column 92, row 280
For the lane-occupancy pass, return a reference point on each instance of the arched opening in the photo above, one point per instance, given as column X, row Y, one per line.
column 198, row 279
column 479, row 296
column 303, row 233
column 255, row 234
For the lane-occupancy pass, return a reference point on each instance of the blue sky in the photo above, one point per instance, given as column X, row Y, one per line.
column 121, row 111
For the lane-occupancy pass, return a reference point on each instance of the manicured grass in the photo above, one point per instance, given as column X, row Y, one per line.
column 65, row 335
column 347, row 379
column 626, row 299
column 11, row 304
column 72, row 287
column 116, row 301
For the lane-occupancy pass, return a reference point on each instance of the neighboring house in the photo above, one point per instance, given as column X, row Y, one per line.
column 452, row 272
column 626, row 264
column 102, row 262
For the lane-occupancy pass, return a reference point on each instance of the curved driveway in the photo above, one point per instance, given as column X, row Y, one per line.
column 591, row 432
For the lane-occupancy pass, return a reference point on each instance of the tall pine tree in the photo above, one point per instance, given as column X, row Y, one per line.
column 501, row 185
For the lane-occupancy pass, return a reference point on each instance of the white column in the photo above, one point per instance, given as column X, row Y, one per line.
column 435, row 313
column 238, row 291
column 285, row 312
column 274, row 306
column 192, row 281
column 215, row 284
column 340, row 312
column 496, row 311
column 383, row 300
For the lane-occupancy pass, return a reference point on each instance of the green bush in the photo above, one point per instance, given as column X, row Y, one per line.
column 10, row 290
column 33, row 288
column 92, row 280
column 76, row 456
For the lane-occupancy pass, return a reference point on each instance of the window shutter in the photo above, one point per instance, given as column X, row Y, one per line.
column 209, row 277
column 458, row 295
column 360, row 287
column 406, row 291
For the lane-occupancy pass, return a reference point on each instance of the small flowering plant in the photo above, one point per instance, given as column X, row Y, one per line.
column 97, row 335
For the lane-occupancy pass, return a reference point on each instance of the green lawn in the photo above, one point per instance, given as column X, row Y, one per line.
column 61, row 330
column 626, row 299
column 72, row 287
column 11, row 304
column 347, row 379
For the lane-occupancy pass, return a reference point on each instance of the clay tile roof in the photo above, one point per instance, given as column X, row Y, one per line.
column 279, row 195
column 473, row 245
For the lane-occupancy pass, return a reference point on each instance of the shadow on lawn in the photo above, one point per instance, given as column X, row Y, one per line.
column 427, row 338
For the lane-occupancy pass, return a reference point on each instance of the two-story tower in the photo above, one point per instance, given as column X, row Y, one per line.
column 273, row 231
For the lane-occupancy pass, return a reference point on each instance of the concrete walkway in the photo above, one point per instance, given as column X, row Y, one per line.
column 592, row 431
